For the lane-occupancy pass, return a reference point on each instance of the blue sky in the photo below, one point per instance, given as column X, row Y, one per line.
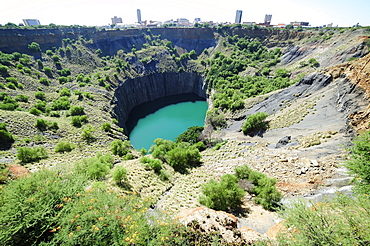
column 99, row 12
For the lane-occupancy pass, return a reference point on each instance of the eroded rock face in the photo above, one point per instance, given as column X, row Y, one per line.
column 208, row 221
column 134, row 92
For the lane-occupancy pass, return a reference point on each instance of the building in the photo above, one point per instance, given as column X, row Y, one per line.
column 183, row 22
column 238, row 17
column 31, row 22
column 268, row 20
column 138, row 16
column 299, row 23
column 116, row 20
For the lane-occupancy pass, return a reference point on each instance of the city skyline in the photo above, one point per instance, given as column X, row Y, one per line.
column 99, row 13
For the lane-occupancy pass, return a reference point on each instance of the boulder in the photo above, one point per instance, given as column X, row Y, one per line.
column 284, row 141
column 208, row 221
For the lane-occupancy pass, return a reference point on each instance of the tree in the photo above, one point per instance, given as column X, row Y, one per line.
column 224, row 195
column 191, row 135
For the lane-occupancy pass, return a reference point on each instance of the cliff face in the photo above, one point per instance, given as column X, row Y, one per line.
column 134, row 92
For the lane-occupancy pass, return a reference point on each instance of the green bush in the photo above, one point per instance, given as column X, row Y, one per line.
column 35, row 111
column 160, row 148
column 121, row 148
column 3, row 70
column 65, row 92
column 40, row 95
column 61, row 103
column 87, row 134
column 263, row 187
column 11, row 85
column 30, row 207
column 27, row 154
column 64, row 146
column 151, row 164
column 78, row 120
column 6, row 138
column 338, row 222
column 191, row 135
column 44, row 81
column 106, row 126
column 62, row 80
column 41, row 124
column 359, row 162
column 48, row 71
column 34, row 47
column 224, row 195
column 95, row 167
column 119, row 175
column 77, row 110
column 8, row 103
column 183, row 156
column 21, row 98
column 255, row 122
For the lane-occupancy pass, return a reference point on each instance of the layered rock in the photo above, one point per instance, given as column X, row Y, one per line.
column 134, row 92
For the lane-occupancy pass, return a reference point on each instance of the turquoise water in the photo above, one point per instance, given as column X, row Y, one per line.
column 168, row 123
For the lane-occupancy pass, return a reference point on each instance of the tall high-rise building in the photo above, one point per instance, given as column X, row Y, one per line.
column 268, row 19
column 138, row 16
column 238, row 17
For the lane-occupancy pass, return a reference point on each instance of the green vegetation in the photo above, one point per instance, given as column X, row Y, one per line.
column 6, row 138
column 255, row 122
column 95, row 167
column 359, row 163
column 224, row 195
column 27, row 154
column 180, row 156
column 64, row 146
column 78, row 120
column 262, row 187
column 119, row 175
column 44, row 125
column 191, row 135
column 122, row 149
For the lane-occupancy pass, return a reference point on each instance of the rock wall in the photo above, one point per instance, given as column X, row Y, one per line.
column 134, row 92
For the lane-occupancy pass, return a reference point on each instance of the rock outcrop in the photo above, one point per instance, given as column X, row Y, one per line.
column 208, row 221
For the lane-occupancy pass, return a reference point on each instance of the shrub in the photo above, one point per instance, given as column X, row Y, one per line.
column 338, row 222
column 64, row 146
column 6, row 138
column 34, row 47
column 224, row 195
column 78, row 120
column 48, row 71
column 119, row 175
column 77, row 110
column 40, row 95
column 44, row 81
column 183, row 156
column 21, row 98
column 151, row 164
column 191, row 135
column 41, row 124
column 3, row 70
column 65, row 92
column 40, row 105
column 30, row 206
column 87, row 134
column 35, row 111
column 255, row 122
column 106, row 127
column 27, row 155
column 121, row 148
column 95, row 167
column 263, row 187
column 359, row 162
column 11, row 85
column 61, row 103
column 63, row 80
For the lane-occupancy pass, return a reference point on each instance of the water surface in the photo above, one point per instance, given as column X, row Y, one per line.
column 167, row 123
